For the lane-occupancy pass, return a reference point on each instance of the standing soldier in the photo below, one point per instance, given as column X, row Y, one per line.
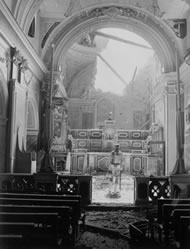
column 116, row 167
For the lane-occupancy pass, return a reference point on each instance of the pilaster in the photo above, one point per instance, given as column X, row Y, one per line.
column 3, row 129
column 170, row 81
column 185, row 76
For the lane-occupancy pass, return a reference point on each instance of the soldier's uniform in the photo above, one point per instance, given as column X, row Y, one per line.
column 116, row 166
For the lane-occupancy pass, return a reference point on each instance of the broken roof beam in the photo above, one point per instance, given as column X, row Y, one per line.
column 121, row 40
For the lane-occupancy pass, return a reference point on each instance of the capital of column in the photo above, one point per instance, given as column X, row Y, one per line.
column 170, row 82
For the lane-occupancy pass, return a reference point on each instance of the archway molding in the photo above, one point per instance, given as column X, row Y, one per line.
column 152, row 29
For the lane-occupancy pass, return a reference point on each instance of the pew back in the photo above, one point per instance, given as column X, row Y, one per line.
column 161, row 202
column 43, row 203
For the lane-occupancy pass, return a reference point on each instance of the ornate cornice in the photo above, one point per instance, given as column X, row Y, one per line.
column 170, row 82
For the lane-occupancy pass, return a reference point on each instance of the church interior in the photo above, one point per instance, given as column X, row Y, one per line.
column 58, row 130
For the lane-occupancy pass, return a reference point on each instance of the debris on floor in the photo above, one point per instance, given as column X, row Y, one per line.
column 101, row 190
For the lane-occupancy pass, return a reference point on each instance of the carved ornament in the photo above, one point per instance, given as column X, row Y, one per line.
column 111, row 12
column 28, row 76
column 116, row 11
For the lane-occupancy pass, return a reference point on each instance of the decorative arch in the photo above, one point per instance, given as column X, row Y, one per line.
column 134, row 19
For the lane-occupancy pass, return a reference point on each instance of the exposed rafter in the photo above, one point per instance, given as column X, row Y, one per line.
column 121, row 40
column 112, row 69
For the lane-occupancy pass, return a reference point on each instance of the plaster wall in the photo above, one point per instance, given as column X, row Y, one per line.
column 79, row 109
column 35, row 41
column 9, row 4
column 3, row 102
column 159, row 112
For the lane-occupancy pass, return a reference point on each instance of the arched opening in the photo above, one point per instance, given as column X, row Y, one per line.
column 80, row 88
column 133, row 19
column 93, row 21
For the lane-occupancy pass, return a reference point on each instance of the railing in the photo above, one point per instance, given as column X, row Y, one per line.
column 147, row 189
column 45, row 183
column 16, row 182
column 150, row 189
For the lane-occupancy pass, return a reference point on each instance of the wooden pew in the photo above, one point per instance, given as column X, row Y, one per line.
column 176, row 216
column 37, row 195
column 183, row 239
column 48, row 200
column 167, row 216
column 161, row 202
column 76, row 198
column 22, row 228
column 160, row 219
column 30, row 220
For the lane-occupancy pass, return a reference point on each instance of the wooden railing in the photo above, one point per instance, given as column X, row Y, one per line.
column 147, row 189
column 48, row 183
column 150, row 189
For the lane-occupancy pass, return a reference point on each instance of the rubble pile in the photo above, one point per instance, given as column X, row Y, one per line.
column 110, row 221
column 115, row 220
